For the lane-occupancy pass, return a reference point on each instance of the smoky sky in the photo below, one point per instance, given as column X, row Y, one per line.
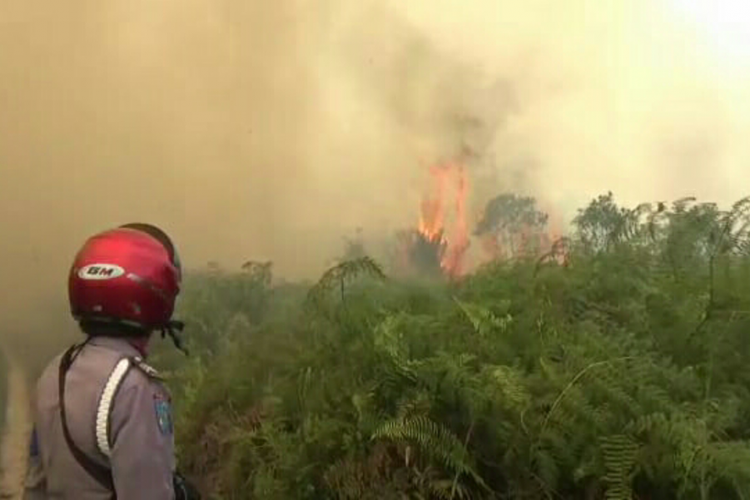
column 269, row 130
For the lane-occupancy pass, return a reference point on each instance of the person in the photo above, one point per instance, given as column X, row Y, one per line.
column 103, row 424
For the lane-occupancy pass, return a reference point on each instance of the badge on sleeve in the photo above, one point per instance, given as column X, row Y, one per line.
column 163, row 414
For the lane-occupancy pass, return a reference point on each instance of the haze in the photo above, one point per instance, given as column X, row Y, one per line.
column 269, row 130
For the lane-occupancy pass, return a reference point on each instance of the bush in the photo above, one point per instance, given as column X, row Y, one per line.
column 620, row 373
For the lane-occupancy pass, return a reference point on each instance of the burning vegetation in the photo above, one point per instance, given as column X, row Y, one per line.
column 510, row 227
column 399, row 386
column 435, row 246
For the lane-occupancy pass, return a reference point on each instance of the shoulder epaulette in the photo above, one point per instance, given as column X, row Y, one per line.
column 104, row 409
column 147, row 369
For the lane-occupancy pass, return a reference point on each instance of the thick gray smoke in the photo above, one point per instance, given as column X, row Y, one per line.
column 267, row 130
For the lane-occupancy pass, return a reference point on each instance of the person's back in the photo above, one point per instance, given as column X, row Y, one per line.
column 142, row 443
column 106, row 431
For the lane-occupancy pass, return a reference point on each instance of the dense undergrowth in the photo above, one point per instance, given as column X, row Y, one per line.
column 622, row 373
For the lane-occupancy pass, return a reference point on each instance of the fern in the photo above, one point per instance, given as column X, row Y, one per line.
column 620, row 455
column 434, row 441
column 483, row 320
column 336, row 277
column 622, row 374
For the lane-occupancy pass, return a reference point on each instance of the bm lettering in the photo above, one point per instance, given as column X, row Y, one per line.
column 100, row 271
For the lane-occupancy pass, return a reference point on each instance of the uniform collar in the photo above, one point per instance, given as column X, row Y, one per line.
column 120, row 345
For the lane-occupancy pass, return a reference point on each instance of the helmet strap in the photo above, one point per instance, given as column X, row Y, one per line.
column 173, row 329
column 103, row 326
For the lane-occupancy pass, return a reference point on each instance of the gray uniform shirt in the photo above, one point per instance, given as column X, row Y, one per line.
column 140, row 431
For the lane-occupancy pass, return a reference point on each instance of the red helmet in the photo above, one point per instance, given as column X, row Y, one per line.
column 129, row 275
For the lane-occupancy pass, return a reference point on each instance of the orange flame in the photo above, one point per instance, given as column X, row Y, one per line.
column 433, row 214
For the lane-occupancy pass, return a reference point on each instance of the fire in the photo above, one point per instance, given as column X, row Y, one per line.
column 441, row 239
column 432, row 220
column 432, row 216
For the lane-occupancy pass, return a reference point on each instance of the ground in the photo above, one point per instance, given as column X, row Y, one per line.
column 15, row 436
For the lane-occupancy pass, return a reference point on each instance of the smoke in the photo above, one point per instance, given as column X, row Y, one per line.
column 267, row 130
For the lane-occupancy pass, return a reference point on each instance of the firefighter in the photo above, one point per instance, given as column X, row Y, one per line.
column 102, row 421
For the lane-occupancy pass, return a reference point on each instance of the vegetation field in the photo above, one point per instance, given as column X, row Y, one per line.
column 613, row 364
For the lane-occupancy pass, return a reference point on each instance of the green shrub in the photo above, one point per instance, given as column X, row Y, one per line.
column 620, row 374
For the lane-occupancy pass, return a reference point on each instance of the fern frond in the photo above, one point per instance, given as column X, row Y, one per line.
column 507, row 384
column 482, row 319
column 388, row 337
column 730, row 461
column 338, row 275
column 619, row 452
column 434, row 440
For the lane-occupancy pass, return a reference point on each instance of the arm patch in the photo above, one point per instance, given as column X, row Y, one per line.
column 163, row 409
